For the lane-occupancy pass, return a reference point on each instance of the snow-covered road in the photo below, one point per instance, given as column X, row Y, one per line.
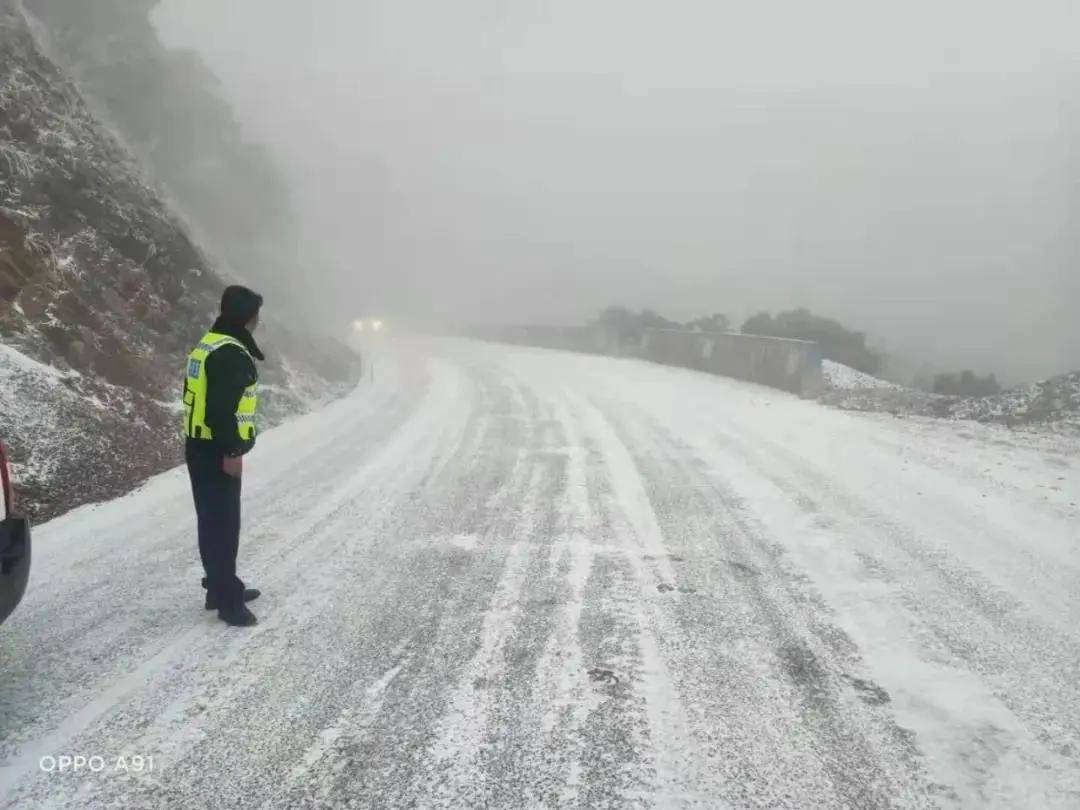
column 505, row 578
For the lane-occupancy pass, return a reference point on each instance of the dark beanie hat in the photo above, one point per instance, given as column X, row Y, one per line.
column 239, row 304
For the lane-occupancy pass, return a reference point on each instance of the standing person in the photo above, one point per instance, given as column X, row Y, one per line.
column 220, row 399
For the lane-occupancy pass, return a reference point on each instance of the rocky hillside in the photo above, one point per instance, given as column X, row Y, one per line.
column 102, row 292
column 1050, row 405
column 1056, row 400
column 165, row 106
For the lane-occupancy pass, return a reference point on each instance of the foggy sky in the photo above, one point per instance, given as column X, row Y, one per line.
column 910, row 168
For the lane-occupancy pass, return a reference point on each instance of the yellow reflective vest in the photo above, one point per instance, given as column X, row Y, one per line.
column 195, row 426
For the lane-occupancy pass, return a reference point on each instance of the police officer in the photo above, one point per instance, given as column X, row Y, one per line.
column 220, row 400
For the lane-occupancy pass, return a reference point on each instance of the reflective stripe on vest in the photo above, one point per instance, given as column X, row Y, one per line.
column 195, row 426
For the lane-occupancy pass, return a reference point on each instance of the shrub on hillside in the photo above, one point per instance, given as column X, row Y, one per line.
column 717, row 322
column 836, row 342
column 627, row 327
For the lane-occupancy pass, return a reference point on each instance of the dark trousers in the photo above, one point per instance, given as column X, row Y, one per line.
column 217, row 506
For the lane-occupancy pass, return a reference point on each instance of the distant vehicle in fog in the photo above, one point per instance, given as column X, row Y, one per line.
column 369, row 325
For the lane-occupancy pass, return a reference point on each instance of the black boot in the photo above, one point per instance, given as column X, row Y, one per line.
column 238, row 617
column 250, row 595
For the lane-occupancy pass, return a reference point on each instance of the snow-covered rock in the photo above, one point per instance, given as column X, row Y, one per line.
column 844, row 378
column 1052, row 404
column 1053, row 400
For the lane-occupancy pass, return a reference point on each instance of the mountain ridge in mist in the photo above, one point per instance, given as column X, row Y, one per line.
column 102, row 294
column 165, row 105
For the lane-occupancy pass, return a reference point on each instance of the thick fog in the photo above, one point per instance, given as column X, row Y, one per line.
column 909, row 168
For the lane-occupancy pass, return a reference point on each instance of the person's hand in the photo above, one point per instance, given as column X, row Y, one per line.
column 233, row 466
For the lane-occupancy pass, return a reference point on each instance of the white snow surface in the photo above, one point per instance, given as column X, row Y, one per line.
column 845, row 378
column 33, row 396
column 513, row 578
column 11, row 359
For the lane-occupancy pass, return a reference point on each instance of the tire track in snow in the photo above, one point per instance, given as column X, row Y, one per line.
column 542, row 696
column 563, row 697
column 471, row 756
column 678, row 775
column 807, row 726
column 952, row 634
column 433, row 587
column 362, row 709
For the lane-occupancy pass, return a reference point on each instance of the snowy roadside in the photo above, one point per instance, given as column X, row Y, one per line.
column 75, row 438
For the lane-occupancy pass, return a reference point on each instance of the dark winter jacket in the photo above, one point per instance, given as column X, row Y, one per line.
column 228, row 372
